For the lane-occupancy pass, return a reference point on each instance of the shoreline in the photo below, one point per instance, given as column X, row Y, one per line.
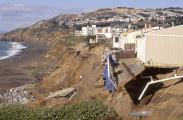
column 15, row 49
column 15, row 71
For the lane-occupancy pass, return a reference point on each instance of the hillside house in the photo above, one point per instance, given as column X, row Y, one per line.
column 127, row 40
column 161, row 48
column 103, row 33
column 86, row 31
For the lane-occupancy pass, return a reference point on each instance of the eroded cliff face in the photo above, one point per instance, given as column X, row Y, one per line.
column 164, row 103
column 28, row 34
column 43, row 31
column 88, row 65
column 13, row 35
column 90, row 87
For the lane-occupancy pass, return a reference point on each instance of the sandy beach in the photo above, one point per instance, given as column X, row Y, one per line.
column 16, row 71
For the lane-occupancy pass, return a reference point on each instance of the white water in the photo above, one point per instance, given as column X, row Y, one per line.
column 12, row 49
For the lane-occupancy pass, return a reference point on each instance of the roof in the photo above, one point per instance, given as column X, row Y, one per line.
column 172, row 31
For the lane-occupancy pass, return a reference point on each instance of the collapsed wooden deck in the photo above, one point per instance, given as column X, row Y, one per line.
column 128, row 70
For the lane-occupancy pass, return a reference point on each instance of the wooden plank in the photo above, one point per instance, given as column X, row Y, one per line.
column 62, row 93
column 130, row 69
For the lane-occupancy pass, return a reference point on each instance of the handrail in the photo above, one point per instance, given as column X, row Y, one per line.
column 157, row 81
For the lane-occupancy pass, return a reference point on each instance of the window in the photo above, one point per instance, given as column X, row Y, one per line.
column 116, row 39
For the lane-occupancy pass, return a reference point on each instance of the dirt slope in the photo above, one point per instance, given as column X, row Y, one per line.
column 88, row 65
column 165, row 103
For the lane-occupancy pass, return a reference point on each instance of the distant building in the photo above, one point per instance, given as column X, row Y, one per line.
column 161, row 48
column 103, row 34
column 85, row 31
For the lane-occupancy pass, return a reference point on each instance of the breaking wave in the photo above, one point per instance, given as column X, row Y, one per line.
column 10, row 49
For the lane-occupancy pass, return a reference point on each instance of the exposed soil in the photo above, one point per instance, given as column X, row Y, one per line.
column 63, row 68
column 164, row 100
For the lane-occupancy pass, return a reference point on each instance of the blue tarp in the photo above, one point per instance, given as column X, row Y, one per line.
column 112, row 61
column 107, row 82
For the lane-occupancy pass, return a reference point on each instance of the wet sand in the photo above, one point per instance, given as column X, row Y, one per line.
column 14, row 71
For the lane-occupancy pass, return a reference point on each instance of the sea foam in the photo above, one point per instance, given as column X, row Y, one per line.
column 15, row 49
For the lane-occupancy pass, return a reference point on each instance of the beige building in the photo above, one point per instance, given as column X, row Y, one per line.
column 161, row 48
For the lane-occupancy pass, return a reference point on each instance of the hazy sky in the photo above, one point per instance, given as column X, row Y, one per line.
column 20, row 13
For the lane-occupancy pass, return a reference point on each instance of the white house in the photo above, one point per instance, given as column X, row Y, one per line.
column 103, row 33
column 89, row 30
column 126, row 41
column 85, row 31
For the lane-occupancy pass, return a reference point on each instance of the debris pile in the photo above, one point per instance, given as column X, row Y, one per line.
column 68, row 92
column 16, row 95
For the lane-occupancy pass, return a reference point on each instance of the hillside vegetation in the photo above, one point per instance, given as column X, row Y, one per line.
column 80, row 111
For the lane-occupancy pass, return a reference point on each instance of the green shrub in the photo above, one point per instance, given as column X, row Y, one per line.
column 82, row 111
column 180, row 118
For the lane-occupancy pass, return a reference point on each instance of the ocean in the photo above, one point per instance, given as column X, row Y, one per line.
column 10, row 49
